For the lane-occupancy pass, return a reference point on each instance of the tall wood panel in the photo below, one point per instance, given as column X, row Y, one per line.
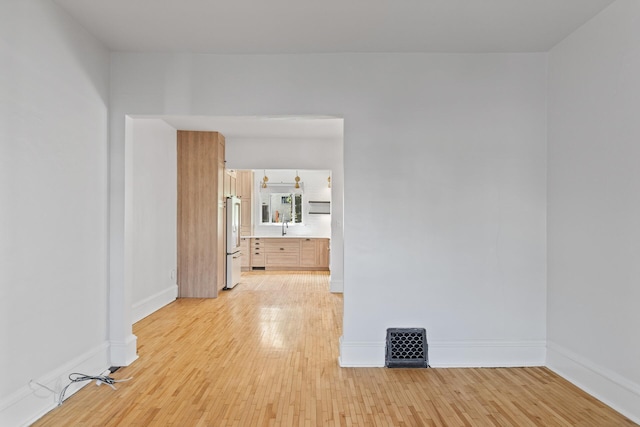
column 222, row 218
column 201, row 256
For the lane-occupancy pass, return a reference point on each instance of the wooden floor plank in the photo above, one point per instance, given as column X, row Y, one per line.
column 266, row 354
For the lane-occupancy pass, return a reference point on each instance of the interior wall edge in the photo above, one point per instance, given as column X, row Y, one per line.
column 154, row 303
column 600, row 382
column 336, row 286
column 453, row 354
column 31, row 402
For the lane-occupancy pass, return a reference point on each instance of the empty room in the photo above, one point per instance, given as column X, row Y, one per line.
column 225, row 209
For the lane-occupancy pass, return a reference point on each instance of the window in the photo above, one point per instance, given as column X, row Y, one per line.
column 277, row 208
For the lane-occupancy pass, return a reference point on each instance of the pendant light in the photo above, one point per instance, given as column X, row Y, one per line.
column 297, row 179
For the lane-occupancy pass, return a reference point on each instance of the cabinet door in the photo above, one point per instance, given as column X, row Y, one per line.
column 244, row 183
column 309, row 253
column 282, row 253
column 233, row 188
column 230, row 185
column 323, row 252
column 245, row 217
column 246, row 254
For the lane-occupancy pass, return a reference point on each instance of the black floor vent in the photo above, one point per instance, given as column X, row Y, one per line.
column 407, row 348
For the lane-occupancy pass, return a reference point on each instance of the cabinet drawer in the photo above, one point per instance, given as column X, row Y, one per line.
column 282, row 245
column 308, row 244
column 257, row 259
column 274, row 259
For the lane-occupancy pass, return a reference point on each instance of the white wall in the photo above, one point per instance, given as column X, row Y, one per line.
column 54, row 85
column 457, row 140
column 303, row 153
column 154, row 186
column 594, row 207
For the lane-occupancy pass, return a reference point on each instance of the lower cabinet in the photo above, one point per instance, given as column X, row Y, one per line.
column 289, row 253
column 257, row 253
column 281, row 253
column 323, row 252
column 314, row 253
column 245, row 250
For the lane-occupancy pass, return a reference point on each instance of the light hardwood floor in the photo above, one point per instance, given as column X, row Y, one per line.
column 265, row 354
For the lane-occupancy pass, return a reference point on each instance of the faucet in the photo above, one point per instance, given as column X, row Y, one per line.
column 283, row 225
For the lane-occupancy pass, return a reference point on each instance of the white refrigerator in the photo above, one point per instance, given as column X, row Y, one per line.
column 234, row 262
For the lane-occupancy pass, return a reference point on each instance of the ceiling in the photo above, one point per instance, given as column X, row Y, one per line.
column 331, row 26
column 262, row 126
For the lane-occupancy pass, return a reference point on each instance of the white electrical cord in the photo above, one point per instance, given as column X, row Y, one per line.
column 100, row 379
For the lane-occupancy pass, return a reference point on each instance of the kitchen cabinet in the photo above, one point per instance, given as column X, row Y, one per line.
column 289, row 253
column 245, row 250
column 314, row 253
column 245, row 217
column 257, row 253
column 281, row 253
column 308, row 253
column 230, row 183
column 200, row 216
column 244, row 185
column 324, row 246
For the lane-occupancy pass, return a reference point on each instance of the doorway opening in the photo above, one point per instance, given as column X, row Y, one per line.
column 305, row 144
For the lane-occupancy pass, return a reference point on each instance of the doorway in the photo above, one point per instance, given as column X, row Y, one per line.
column 276, row 143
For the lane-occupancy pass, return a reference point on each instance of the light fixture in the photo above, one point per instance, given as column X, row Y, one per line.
column 329, row 180
column 297, row 178
column 264, row 179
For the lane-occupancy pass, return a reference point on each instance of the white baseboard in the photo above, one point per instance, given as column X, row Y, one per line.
column 486, row 354
column 31, row 402
column 452, row 354
column 361, row 354
column 124, row 353
column 600, row 382
column 336, row 286
column 155, row 302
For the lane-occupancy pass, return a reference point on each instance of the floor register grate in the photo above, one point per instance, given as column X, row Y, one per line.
column 407, row 348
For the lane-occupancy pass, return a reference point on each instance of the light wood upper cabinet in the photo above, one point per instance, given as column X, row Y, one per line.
column 245, row 217
column 230, row 183
column 244, row 185
column 201, row 255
